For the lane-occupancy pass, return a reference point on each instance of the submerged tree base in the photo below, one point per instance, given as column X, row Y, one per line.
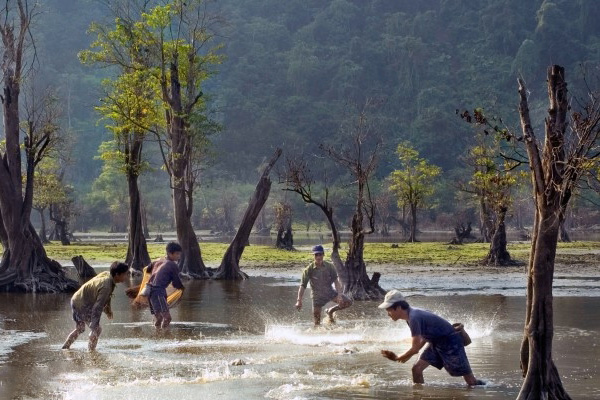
column 47, row 277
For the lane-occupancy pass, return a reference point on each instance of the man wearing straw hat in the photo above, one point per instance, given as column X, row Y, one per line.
column 321, row 275
column 445, row 345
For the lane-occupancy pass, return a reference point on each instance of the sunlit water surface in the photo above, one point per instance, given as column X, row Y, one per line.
column 245, row 340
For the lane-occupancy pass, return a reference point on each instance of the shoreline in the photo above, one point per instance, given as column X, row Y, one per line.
column 576, row 273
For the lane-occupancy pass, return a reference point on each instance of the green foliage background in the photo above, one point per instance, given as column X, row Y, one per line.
column 292, row 67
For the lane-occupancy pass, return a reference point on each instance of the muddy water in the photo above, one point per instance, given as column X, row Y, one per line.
column 253, row 323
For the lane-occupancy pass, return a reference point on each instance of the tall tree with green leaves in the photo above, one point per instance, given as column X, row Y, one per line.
column 167, row 54
column 132, row 108
column 48, row 189
column 51, row 194
column 183, row 47
column 413, row 183
column 494, row 177
column 109, row 190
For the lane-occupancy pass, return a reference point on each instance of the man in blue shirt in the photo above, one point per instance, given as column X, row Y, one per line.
column 445, row 345
column 164, row 272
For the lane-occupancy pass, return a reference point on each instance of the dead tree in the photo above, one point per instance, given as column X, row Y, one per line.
column 24, row 264
column 230, row 264
column 297, row 178
column 569, row 152
column 84, row 270
column 498, row 255
column 59, row 216
column 461, row 233
column 360, row 161
column 384, row 209
column 564, row 233
column 283, row 221
column 262, row 227
column 555, row 169
column 43, row 233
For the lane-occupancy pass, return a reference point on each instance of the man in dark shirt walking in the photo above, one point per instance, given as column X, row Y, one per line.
column 445, row 349
column 321, row 275
column 164, row 272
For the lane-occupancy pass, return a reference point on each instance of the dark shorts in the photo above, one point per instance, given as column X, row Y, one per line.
column 158, row 300
column 320, row 299
column 448, row 353
column 319, row 302
column 82, row 316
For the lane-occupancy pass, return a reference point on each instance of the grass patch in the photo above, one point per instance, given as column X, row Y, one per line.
column 377, row 253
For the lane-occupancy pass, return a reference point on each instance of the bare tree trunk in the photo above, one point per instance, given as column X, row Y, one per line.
column 84, row 270
column 60, row 226
column 65, row 240
column 191, row 259
column 412, row 238
column 43, row 235
column 137, row 250
column 564, row 233
column 145, row 227
column 26, row 267
column 285, row 236
column 356, row 281
column 552, row 189
column 541, row 376
column 262, row 228
column 485, row 222
column 498, row 255
column 230, row 267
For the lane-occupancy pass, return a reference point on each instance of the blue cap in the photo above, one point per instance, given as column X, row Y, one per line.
column 318, row 249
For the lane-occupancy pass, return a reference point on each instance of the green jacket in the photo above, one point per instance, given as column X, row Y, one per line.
column 94, row 297
column 320, row 278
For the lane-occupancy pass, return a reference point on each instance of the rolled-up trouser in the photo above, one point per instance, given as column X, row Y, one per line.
column 85, row 316
column 448, row 352
column 158, row 300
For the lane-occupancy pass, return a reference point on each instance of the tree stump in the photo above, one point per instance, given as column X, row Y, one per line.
column 84, row 270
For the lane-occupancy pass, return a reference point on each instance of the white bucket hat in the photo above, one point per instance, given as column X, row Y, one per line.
column 391, row 297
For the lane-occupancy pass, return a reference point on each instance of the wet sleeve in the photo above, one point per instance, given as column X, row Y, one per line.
column 175, row 279
column 332, row 273
column 102, row 301
column 305, row 276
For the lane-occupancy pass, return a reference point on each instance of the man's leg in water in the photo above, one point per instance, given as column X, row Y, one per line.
column 94, row 335
column 417, row 371
column 317, row 315
column 166, row 319
column 79, row 329
column 345, row 302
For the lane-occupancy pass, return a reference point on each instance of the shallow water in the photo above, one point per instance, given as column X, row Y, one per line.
column 253, row 323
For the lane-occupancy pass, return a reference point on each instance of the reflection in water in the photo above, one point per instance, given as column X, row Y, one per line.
column 245, row 340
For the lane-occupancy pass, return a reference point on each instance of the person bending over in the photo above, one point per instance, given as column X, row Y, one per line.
column 91, row 299
column 445, row 346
